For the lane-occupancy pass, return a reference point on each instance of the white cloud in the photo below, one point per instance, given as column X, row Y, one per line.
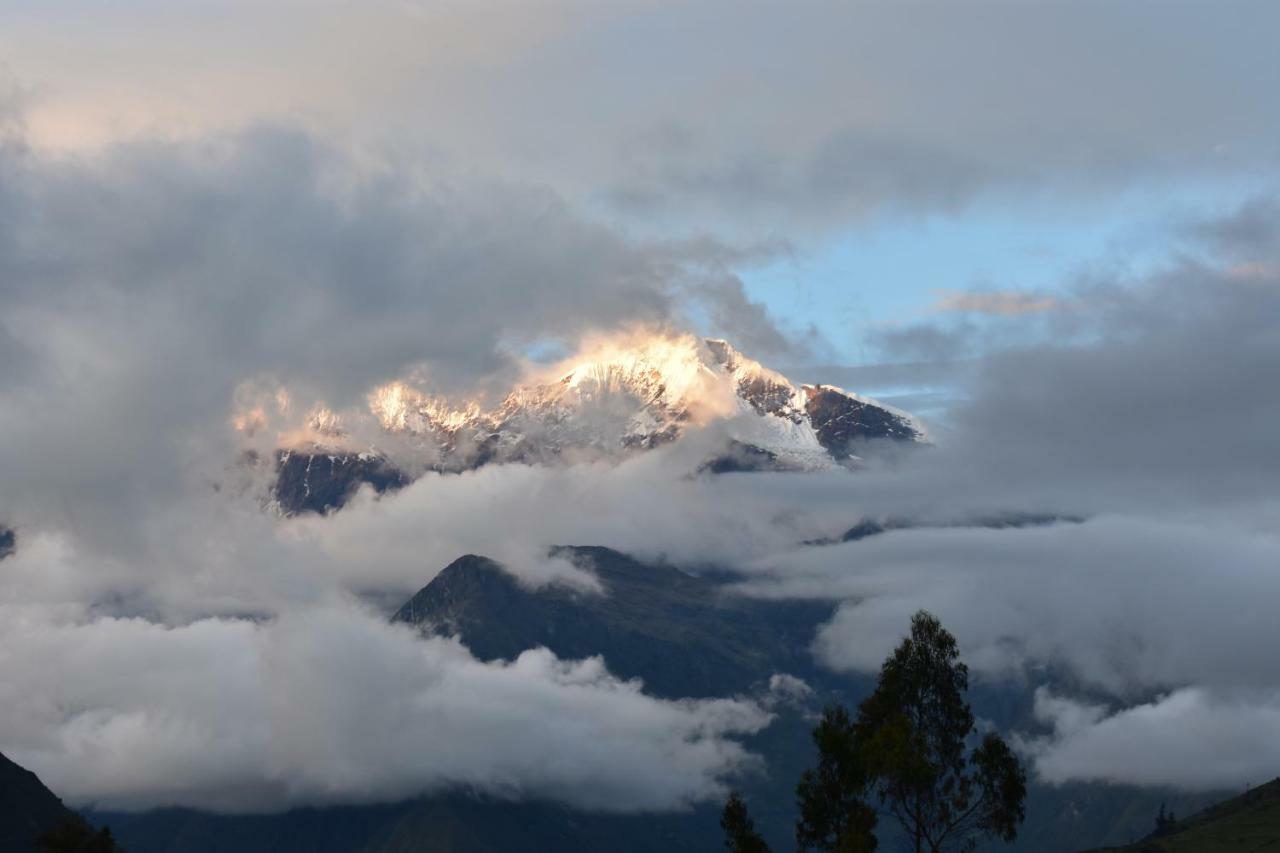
column 1191, row 738
column 335, row 705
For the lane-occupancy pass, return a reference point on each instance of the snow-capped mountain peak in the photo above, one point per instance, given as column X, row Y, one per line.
column 615, row 397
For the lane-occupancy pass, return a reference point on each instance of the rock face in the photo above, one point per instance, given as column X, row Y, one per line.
column 841, row 420
column 682, row 635
column 620, row 399
column 320, row 482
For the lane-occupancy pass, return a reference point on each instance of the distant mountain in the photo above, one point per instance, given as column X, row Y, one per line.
column 1249, row 822
column 623, row 397
column 8, row 541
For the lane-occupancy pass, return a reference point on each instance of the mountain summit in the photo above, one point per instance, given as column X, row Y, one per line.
column 619, row 396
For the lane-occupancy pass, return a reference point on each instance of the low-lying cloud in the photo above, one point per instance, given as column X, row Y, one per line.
column 335, row 705
column 1191, row 739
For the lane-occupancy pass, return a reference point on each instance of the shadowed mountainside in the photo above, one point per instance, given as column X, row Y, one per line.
column 682, row 634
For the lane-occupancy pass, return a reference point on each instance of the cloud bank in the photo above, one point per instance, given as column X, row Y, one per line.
column 166, row 642
column 334, row 705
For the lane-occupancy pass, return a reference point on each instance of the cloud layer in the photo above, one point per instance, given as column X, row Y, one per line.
column 336, row 705
column 859, row 107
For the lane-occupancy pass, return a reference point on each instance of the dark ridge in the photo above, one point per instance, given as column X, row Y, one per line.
column 681, row 634
column 873, row 527
column 322, row 482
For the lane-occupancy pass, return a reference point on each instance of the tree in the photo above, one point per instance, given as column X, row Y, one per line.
column 834, row 817
column 908, row 751
column 910, row 738
column 740, row 834
column 1166, row 824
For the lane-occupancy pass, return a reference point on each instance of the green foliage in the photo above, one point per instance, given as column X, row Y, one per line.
column 75, row 836
column 834, row 818
column 911, row 736
column 740, row 834
column 908, row 751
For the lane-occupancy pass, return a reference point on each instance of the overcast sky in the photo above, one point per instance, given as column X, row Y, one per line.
column 1053, row 229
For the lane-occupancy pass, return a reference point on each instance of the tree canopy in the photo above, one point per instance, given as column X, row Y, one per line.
column 912, row 753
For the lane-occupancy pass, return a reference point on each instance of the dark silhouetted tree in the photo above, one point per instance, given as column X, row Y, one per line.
column 834, row 817
column 76, row 836
column 911, row 740
column 740, row 834
column 907, row 752
column 1166, row 823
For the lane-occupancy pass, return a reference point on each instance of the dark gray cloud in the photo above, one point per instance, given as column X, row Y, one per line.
column 770, row 115
column 142, row 286
column 1250, row 236
column 930, row 106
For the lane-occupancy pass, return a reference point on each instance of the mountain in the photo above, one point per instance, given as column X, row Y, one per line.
column 8, row 541
column 1249, row 822
column 620, row 397
column 681, row 634
column 29, row 810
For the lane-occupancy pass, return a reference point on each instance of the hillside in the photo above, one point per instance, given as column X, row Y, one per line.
column 27, row 808
column 1249, row 822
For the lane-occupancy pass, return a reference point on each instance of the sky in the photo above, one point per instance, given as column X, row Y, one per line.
column 1051, row 229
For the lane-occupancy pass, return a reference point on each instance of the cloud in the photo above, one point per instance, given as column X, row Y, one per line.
column 1009, row 303
column 1251, row 231
column 859, row 108
column 143, row 286
column 244, row 716
column 1188, row 739
column 1113, row 601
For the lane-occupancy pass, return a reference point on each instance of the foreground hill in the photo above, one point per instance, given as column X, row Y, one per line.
column 1249, row 822
column 28, row 810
